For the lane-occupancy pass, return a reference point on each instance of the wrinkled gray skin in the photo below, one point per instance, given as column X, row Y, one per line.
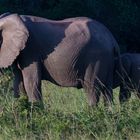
column 130, row 79
column 76, row 52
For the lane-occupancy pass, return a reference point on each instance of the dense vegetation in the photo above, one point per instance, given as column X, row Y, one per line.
column 66, row 116
column 122, row 17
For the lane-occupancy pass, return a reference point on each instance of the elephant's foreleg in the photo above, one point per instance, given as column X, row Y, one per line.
column 107, row 86
column 18, row 82
column 32, row 82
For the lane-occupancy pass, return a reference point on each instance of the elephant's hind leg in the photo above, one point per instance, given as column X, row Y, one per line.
column 107, row 95
column 90, row 85
column 107, row 86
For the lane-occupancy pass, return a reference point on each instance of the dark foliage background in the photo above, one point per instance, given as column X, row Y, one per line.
column 122, row 17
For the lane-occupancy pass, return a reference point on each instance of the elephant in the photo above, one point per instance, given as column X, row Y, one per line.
column 129, row 80
column 75, row 52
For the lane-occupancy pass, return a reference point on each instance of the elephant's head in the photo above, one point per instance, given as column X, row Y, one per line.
column 13, row 38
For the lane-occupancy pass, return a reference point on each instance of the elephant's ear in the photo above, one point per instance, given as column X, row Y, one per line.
column 14, row 35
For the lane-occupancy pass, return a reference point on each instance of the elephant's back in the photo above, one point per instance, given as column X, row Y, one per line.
column 41, row 19
column 101, row 36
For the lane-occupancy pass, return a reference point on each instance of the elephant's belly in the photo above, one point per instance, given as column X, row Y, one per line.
column 62, row 73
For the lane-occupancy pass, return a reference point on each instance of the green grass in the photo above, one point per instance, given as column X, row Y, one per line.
column 66, row 116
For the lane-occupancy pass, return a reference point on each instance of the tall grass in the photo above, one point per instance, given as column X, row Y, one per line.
column 66, row 116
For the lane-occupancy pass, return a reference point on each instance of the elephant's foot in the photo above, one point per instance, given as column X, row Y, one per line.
column 22, row 104
column 108, row 104
column 107, row 96
column 93, row 99
column 35, row 101
column 92, row 103
column 108, row 100
column 36, row 105
column 124, row 96
column 16, row 95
